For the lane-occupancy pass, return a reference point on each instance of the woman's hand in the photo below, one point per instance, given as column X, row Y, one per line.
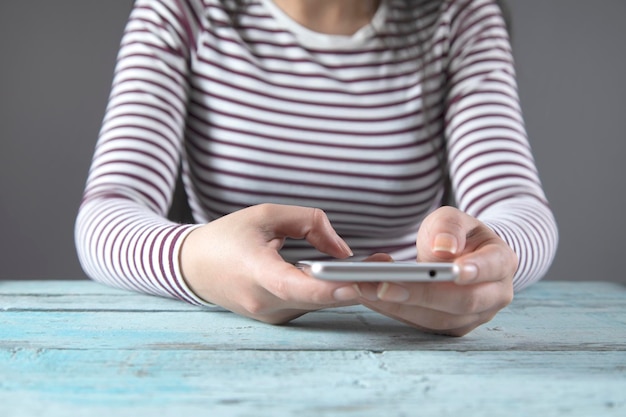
column 484, row 287
column 234, row 262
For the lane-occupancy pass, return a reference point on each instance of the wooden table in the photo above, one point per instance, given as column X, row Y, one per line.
column 74, row 348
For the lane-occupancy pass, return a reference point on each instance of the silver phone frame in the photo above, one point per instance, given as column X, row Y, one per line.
column 380, row 271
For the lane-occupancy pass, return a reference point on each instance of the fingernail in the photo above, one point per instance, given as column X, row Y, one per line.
column 392, row 293
column 368, row 291
column 342, row 243
column 469, row 273
column 445, row 242
column 347, row 293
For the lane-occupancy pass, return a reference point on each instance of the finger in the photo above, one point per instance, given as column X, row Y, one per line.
column 299, row 290
column 448, row 297
column 307, row 223
column 494, row 261
column 379, row 257
column 279, row 297
column 368, row 290
column 442, row 234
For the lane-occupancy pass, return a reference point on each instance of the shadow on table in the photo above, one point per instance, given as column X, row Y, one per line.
column 368, row 328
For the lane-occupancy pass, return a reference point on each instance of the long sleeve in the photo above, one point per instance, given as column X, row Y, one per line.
column 493, row 173
column 122, row 235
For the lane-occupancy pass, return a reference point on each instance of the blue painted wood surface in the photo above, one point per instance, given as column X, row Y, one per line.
column 70, row 348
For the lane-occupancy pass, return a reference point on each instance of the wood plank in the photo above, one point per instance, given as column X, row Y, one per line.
column 80, row 294
column 529, row 330
column 310, row 383
column 52, row 287
column 550, row 316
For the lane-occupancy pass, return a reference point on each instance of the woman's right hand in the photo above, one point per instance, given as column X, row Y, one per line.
column 234, row 262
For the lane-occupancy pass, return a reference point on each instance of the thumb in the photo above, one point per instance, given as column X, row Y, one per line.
column 442, row 235
column 307, row 223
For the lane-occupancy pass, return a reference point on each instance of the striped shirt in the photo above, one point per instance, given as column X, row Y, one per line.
column 256, row 108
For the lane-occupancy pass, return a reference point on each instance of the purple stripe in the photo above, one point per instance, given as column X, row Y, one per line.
column 176, row 94
column 303, row 183
column 120, row 257
column 297, row 245
column 490, row 203
column 466, row 16
column 189, row 40
column 146, row 195
column 144, row 141
column 104, row 195
column 107, row 226
column 102, row 165
column 381, row 219
column 463, row 45
column 476, row 74
column 146, row 59
column 168, row 108
column 144, row 231
column 413, row 114
column 300, row 74
column 460, row 75
column 131, row 255
column 267, row 94
column 302, row 87
column 482, row 92
column 273, row 196
column 201, row 162
column 473, row 142
column 485, row 180
column 351, row 146
column 154, row 271
column 139, row 117
column 164, row 25
column 172, row 284
column 160, row 163
column 305, row 60
column 494, row 151
column 147, row 38
column 311, row 129
column 173, row 260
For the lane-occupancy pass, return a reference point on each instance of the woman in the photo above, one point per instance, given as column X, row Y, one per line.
column 296, row 122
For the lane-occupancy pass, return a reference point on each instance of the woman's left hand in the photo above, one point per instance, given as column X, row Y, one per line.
column 484, row 287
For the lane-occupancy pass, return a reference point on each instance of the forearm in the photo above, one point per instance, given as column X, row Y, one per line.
column 123, row 244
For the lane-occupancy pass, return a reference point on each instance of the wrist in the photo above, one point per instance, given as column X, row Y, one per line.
column 188, row 275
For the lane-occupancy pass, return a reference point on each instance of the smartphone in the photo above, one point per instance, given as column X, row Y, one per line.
column 380, row 271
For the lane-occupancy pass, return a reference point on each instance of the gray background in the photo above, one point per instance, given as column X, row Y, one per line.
column 56, row 64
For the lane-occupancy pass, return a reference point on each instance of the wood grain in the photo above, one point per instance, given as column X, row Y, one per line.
column 75, row 348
